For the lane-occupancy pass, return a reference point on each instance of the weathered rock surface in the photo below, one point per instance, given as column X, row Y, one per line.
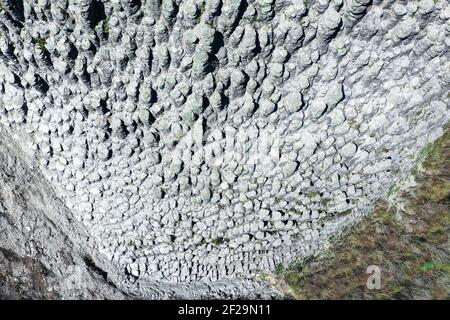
column 166, row 147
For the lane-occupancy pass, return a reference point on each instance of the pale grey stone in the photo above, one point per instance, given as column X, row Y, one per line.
column 189, row 141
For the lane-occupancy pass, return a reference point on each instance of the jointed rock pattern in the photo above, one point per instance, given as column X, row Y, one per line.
column 205, row 140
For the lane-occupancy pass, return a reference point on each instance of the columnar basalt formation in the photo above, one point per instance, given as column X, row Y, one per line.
column 201, row 142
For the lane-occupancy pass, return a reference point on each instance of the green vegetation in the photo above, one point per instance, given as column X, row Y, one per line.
column 344, row 213
column 41, row 43
column 392, row 190
column 220, row 241
column 312, row 194
column 105, row 25
column 411, row 246
column 432, row 153
column 429, row 265
column 279, row 269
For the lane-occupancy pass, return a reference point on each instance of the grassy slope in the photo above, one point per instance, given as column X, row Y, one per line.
column 411, row 245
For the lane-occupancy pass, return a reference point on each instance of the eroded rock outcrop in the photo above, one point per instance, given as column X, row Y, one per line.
column 201, row 143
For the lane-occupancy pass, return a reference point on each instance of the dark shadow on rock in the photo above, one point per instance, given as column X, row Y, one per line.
column 96, row 13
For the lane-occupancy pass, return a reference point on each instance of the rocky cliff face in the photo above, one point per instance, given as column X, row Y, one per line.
column 180, row 148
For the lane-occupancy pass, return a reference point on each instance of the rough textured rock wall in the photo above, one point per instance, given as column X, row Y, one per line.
column 200, row 143
column 43, row 253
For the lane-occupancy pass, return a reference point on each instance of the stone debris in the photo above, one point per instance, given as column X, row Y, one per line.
column 203, row 141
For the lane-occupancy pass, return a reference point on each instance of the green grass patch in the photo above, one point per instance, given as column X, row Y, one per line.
column 427, row 266
column 41, row 43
